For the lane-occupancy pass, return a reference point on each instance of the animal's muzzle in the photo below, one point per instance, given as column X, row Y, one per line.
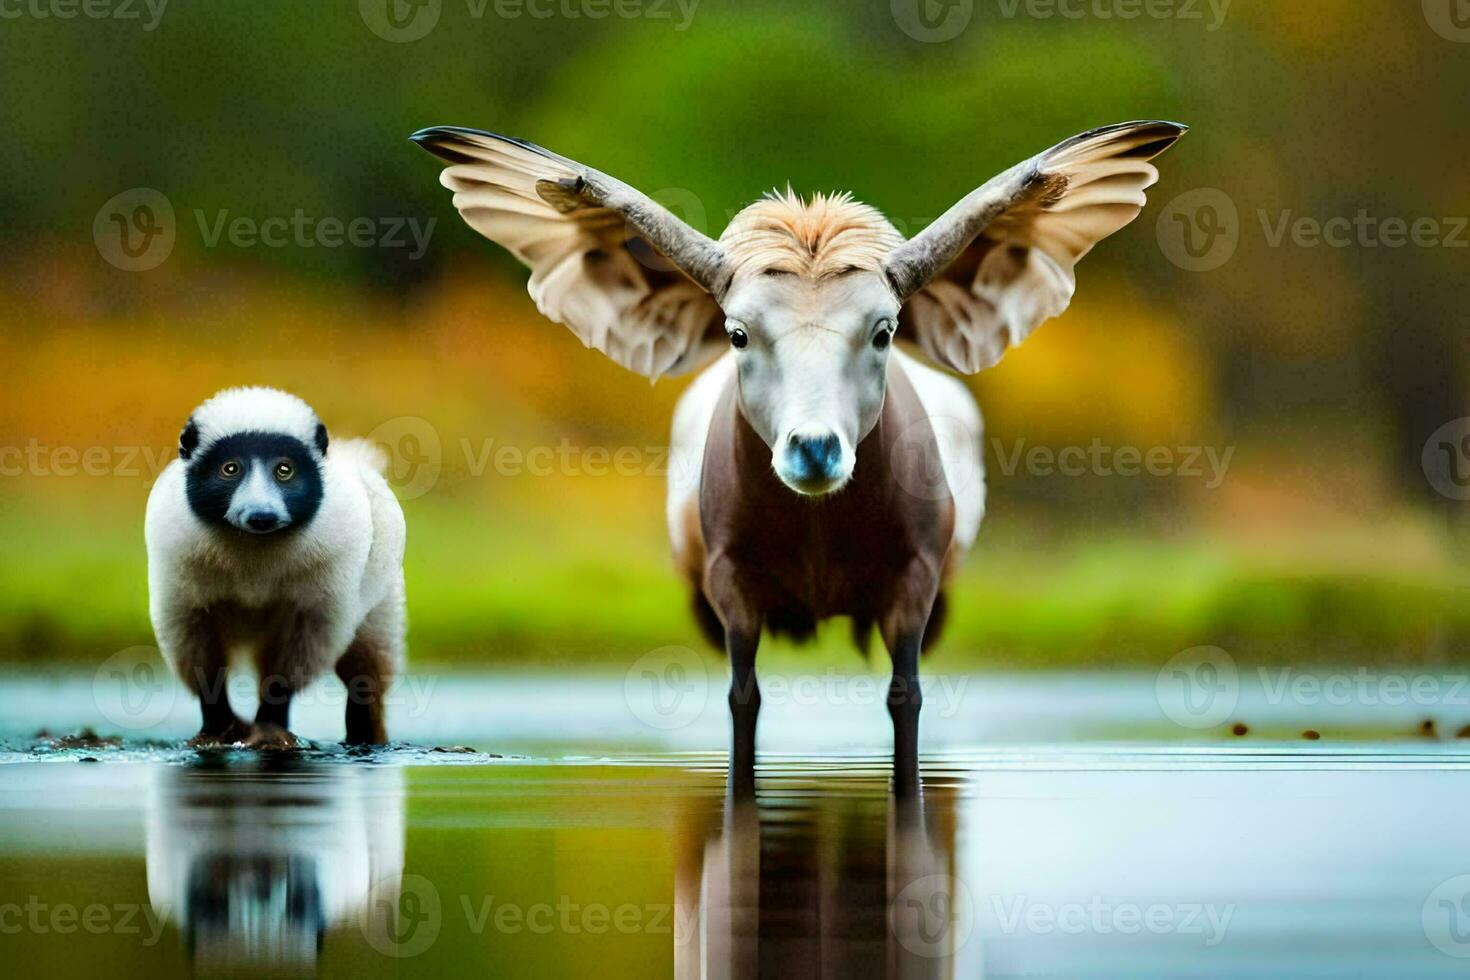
column 815, row 457
column 812, row 463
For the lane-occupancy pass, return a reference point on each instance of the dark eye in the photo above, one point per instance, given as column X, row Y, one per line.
column 284, row 470
column 738, row 339
column 884, row 336
column 230, row 469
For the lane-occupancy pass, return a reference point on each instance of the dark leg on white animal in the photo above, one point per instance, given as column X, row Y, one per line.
column 273, row 717
column 219, row 724
column 363, row 673
column 745, row 706
column 204, row 669
column 904, row 701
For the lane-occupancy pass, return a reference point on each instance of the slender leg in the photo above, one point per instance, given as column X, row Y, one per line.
column 202, row 664
column 287, row 661
column 904, row 701
column 366, row 672
column 745, row 706
column 273, row 717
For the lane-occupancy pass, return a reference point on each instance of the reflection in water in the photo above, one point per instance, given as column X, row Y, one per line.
column 819, row 885
column 253, row 867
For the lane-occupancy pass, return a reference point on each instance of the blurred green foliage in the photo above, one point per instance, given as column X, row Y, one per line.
column 1326, row 368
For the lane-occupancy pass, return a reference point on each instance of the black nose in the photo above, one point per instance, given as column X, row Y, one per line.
column 817, row 456
column 263, row 522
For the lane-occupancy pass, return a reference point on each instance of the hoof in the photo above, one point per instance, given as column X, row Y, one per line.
column 271, row 738
column 236, row 734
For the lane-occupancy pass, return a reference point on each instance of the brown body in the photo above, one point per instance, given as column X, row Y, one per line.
column 762, row 558
column 765, row 557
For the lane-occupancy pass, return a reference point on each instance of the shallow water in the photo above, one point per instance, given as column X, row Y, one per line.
column 1127, row 855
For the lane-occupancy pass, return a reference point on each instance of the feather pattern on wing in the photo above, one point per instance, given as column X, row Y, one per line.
column 1002, row 261
column 592, row 268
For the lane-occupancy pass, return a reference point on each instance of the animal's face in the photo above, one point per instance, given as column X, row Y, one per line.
column 812, row 359
column 256, row 482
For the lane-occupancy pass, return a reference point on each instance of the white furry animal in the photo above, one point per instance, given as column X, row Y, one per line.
column 819, row 471
column 261, row 537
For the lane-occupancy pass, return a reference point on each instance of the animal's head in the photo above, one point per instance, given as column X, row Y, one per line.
column 809, row 294
column 253, row 461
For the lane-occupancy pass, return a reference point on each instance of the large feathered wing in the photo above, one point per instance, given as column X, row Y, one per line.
column 1003, row 260
column 606, row 261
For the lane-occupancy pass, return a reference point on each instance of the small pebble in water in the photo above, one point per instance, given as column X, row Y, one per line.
column 1239, row 728
column 1427, row 729
column 1311, row 735
column 462, row 749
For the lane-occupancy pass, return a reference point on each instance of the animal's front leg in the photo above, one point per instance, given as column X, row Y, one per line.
column 903, row 634
column 192, row 644
column 287, row 663
column 745, row 707
column 904, row 701
column 742, row 620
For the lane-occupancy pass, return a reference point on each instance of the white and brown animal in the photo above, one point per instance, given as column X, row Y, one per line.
column 834, row 475
column 265, row 537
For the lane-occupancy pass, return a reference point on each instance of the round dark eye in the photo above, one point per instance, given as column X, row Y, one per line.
column 738, row 339
column 230, row 469
column 883, row 338
column 284, row 470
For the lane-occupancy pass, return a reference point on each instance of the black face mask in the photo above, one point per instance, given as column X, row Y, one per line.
column 254, row 482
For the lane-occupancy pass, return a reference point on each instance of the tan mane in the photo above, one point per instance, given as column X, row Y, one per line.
column 825, row 236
